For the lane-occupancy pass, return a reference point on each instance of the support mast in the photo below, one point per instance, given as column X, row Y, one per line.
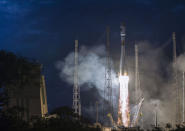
column 138, row 91
column 108, row 79
column 176, row 79
column 183, row 96
column 76, row 89
column 96, row 112
column 136, row 73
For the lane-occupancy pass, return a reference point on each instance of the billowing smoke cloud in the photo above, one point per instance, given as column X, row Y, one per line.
column 91, row 74
column 156, row 84
column 181, row 63
column 91, row 68
column 155, row 70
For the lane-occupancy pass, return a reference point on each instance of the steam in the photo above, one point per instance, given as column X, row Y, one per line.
column 155, row 71
column 91, row 68
column 91, row 73
column 156, row 88
column 181, row 63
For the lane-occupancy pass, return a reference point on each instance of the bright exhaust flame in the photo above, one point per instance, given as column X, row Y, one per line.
column 123, row 111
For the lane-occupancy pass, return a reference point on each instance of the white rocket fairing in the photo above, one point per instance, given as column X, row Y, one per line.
column 122, row 58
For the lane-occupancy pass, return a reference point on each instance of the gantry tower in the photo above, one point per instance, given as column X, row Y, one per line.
column 138, row 90
column 176, row 80
column 136, row 73
column 108, row 80
column 183, row 95
column 76, row 88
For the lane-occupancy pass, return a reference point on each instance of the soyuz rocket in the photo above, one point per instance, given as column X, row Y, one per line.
column 123, row 106
column 122, row 58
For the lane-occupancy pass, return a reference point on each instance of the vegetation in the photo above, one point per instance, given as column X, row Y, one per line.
column 14, row 71
column 18, row 71
column 67, row 121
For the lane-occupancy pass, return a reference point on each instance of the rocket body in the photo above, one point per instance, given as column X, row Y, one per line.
column 123, row 108
column 122, row 58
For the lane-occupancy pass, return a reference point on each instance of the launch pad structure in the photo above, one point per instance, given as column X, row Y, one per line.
column 124, row 116
column 76, row 88
column 108, row 102
column 175, row 82
column 124, row 112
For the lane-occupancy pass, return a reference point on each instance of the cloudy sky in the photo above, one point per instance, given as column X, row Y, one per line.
column 45, row 30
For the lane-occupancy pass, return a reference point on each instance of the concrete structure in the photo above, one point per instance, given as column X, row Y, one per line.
column 29, row 94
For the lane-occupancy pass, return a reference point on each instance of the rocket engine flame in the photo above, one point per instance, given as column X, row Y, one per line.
column 124, row 110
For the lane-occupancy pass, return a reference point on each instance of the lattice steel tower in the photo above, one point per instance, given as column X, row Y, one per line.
column 108, row 79
column 176, row 80
column 138, row 89
column 76, row 88
column 136, row 74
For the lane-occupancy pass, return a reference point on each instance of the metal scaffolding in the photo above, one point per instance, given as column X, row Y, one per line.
column 108, row 103
column 176, row 87
column 76, row 88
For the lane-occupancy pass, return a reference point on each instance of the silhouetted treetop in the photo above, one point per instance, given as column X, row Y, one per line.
column 15, row 70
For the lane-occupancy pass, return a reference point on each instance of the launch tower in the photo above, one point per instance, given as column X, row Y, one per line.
column 175, row 74
column 108, row 79
column 107, row 104
column 76, row 89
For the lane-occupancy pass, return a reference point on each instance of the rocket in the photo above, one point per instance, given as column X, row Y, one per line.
column 122, row 58
column 123, row 108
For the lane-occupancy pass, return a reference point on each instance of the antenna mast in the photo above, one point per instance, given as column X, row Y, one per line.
column 76, row 89
column 96, row 112
column 183, row 96
column 175, row 79
column 136, row 73
column 108, row 79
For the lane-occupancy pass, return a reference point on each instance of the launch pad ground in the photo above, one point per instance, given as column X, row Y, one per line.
column 121, row 129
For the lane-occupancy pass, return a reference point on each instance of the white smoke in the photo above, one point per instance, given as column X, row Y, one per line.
column 91, row 68
column 155, row 82
column 181, row 63
column 156, row 88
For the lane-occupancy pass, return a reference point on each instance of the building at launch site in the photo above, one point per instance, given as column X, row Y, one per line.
column 30, row 96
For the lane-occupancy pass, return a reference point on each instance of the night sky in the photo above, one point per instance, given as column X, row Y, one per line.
column 45, row 30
